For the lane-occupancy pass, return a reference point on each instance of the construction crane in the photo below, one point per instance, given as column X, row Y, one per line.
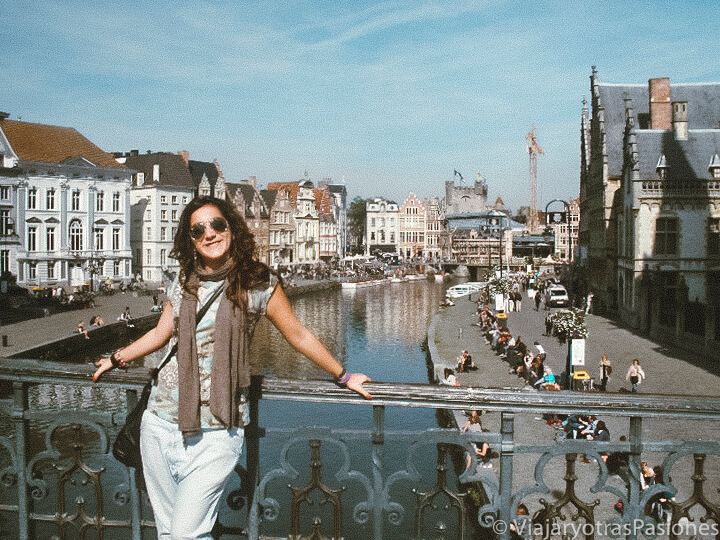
column 533, row 150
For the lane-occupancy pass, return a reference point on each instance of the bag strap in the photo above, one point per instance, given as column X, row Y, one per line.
column 198, row 318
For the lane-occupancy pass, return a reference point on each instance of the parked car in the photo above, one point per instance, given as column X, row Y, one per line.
column 556, row 296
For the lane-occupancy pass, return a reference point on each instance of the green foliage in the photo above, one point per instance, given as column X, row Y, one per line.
column 356, row 221
column 497, row 285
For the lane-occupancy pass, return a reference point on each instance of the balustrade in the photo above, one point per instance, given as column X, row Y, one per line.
column 72, row 486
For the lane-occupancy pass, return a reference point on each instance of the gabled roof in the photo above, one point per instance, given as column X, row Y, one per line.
column 173, row 171
column 703, row 111
column 684, row 159
column 200, row 168
column 292, row 187
column 248, row 193
column 53, row 144
column 269, row 196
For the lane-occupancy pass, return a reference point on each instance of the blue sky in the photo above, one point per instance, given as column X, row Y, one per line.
column 391, row 96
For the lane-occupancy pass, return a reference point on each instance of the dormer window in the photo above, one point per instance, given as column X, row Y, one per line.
column 714, row 166
column 662, row 167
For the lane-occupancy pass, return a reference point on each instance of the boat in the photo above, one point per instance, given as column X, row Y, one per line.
column 397, row 279
column 352, row 285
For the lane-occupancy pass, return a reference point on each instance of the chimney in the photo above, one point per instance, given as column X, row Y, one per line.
column 134, row 153
column 680, row 120
column 660, row 107
column 253, row 181
column 156, row 172
column 186, row 156
column 3, row 115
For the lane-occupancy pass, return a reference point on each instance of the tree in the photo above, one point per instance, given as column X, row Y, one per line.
column 356, row 223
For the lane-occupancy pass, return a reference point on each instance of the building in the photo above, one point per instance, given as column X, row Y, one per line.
column 434, row 229
column 207, row 177
column 411, row 230
column 161, row 187
column 382, row 226
column 281, row 226
column 306, row 217
column 650, row 206
column 64, row 207
column 339, row 206
column 253, row 207
column 565, row 243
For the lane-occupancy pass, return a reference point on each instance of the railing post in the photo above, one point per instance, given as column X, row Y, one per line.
column 378, row 447
column 20, row 405
column 507, row 450
column 131, row 398
column 634, row 512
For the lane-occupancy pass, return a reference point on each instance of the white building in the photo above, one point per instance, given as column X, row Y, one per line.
column 64, row 207
column 382, row 226
column 162, row 186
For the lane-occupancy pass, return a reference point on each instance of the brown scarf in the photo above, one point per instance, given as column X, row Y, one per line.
column 230, row 366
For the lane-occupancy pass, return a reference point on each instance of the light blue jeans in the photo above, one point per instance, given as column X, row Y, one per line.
column 185, row 481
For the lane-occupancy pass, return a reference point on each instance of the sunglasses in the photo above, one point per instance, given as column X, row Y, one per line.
column 198, row 230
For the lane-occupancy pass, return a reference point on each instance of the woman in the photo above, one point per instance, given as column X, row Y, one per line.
column 605, row 372
column 473, row 420
column 635, row 375
column 191, row 434
column 450, row 379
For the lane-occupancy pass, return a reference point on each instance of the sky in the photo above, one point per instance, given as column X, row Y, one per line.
column 389, row 97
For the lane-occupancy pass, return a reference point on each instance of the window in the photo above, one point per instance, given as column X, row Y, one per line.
column 50, row 199
column 116, row 239
column 163, row 199
column 116, row 202
column 116, row 268
column 163, row 233
column 148, row 233
column 76, row 242
column 148, row 256
column 5, row 193
column 75, row 200
column 174, row 215
column 99, row 239
column 51, row 270
column 172, row 233
column 32, row 271
column 713, row 236
column 6, row 226
column 32, row 239
column 99, row 201
column 50, row 238
column 32, row 198
column 163, row 215
column 185, row 200
column 666, row 236
column 163, row 257
column 4, row 261
column 174, row 199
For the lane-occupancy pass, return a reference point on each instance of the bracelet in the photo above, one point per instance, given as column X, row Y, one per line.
column 343, row 378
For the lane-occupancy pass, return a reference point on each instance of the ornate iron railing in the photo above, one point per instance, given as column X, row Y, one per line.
column 72, row 487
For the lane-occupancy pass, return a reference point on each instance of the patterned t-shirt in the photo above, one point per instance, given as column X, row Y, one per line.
column 164, row 396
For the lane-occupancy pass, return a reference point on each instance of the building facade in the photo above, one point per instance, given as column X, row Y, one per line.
column 651, row 186
column 434, row 229
column 566, row 234
column 382, row 226
column 411, row 242
column 161, row 188
column 64, row 207
column 252, row 205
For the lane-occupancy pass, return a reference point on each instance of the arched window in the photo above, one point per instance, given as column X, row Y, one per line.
column 76, row 236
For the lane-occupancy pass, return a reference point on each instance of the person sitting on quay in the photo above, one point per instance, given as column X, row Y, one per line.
column 547, row 381
column 465, row 362
column 449, row 378
column 482, row 454
column 126, row 318
column 81, row 329
column 96, row 321
column 473, row 420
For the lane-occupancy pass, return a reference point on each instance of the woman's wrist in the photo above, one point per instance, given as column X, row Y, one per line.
column 342, row 378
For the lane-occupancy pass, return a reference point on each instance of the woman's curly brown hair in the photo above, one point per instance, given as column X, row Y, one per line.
column 247, row 273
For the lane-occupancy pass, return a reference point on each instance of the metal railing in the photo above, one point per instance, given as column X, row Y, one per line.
column 78, row 490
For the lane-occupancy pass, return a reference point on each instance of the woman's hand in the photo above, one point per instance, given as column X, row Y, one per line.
column 356, row 384
column 102, row 365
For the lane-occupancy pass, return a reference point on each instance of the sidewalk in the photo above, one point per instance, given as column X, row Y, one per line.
column 26, row 334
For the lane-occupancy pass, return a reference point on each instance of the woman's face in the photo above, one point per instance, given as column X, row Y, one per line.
column 213, row 246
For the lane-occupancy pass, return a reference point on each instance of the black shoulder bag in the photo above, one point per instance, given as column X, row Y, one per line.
column 126, row 447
